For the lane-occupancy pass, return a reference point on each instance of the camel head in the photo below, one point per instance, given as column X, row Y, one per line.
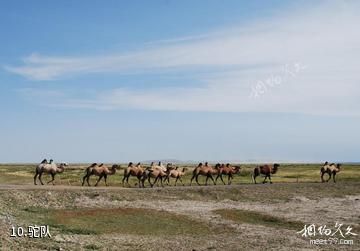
column 237, row 169
column 115, row 166
column 275, row 168
column 113, row 169
column 61, row 167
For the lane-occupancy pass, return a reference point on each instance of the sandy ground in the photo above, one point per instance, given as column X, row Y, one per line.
column 306, row 205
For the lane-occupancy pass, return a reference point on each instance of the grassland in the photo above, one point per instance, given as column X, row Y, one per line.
column 23, row 174
column 238, row 217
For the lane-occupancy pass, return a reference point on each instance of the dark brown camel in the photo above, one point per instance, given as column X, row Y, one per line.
column 265, row 170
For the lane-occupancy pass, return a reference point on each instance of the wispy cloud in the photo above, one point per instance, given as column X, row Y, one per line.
column 326, row 39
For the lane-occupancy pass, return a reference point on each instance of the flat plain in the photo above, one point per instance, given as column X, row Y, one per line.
column 240, row 216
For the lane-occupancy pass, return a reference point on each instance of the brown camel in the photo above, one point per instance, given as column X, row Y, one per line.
column 132, row 170
column 226, row 170
column 265, row 170
column 101, row 171
column 205, row 170
column 50, row 168
column 157, row 172
column 177, row 174
column 331, row 170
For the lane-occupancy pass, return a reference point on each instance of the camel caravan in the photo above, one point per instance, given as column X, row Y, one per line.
column 158, row 174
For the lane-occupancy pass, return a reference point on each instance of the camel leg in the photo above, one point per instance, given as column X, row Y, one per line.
column 149, row 180
column 322, row 177
column 123, row 180
column 98, row 180
column 334, row 174
column 181, row 181
column 36, row 174
column 211, row 177
column 217, row 177
column 177, row 178
column 155, row 181
column 161, row 182
column 254, row 178
column 265, row 179
column 192, row 179
column 222, row 179
column 206, row 181
column 141, row 181
column 83, row 182
column 197, row 180
column 329, row 177
column 105, row 178
column 229, row 179
column 270, row 179
column 52, row 178
column 87, row 180
column 41, row 179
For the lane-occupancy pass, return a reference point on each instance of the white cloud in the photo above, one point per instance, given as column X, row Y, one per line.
column 326, row 39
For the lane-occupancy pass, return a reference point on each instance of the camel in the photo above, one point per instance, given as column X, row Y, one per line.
column 157, row 172
column 50, row 168
column 177, row 174
column 331, row 170
column 101, row 171
column 132, row 170
column 205, row 170
column 226, row 170
column 265, row 170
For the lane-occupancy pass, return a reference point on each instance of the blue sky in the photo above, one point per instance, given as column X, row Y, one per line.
column 122, row 81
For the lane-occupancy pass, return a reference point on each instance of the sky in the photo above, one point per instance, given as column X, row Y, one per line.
column 241, row 81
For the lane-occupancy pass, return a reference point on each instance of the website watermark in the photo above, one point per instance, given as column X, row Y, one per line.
column 288, row 72
column 324, row 235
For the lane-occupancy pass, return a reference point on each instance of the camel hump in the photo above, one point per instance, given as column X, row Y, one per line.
column 101, row 164
column 93, row 164
column 44, row 161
